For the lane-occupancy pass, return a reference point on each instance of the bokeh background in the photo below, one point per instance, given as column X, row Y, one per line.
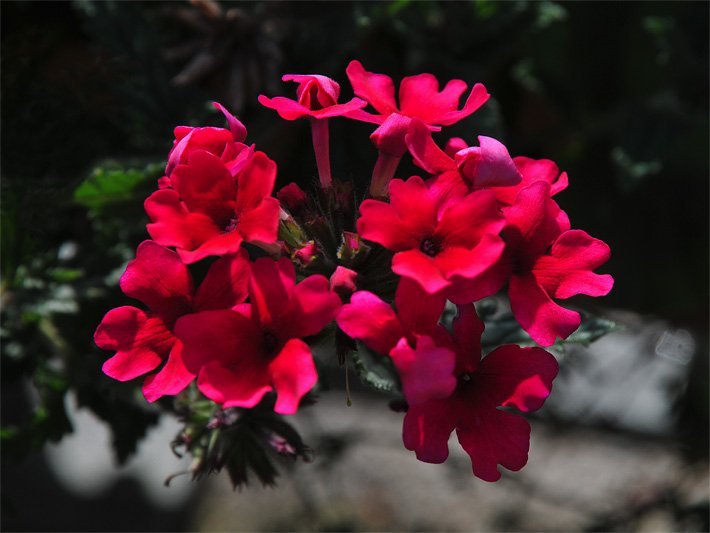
column 616, row 93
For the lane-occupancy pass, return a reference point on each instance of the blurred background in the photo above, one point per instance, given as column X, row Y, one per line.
column 615, row 93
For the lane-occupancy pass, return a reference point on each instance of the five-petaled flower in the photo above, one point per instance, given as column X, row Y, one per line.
column 509, row 376
column 437, row 240
column 242, row 353
column 145, row 340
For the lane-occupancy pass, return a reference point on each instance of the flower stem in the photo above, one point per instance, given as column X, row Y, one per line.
column 383, row 172
column 321, row 147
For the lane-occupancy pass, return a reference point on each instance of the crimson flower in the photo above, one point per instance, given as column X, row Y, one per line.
column 471, row 167
column 437, row 241
column 145, row 340
column 509, row 376
column 317, row 97
column 208, row 211
column 242, row 353
column 318, row 100
column 223, row 143
column 546, row 259
column 419, row 98
column 409, row 336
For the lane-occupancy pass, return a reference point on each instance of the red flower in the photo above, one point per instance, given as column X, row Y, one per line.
column 210, row 212
column 419, row 97
column 411, row 337
column 548, row 260
column 472, row 168
column 317, row 98
column 225, row 144
column 509, row 376
column 437, row 240
column 144, row 340
column 245, row 352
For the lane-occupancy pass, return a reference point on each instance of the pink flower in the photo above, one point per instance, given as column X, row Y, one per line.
column 436, row 240
column 225, row 144
column 487, row 165
column 548, row 260
column 317, row 97
column 210, row 212
column 142, row 340
column 245, row 352
column 419, row 98
column 509, row 376
column 343, row 281
column 410, row 337
column 533, row 170
column 318, row 100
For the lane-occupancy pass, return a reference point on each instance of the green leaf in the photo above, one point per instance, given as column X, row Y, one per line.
column 375, row 370
column 107, row 184
column 591, row 329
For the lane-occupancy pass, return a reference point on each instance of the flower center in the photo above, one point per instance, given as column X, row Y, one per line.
column 270, row 343
column 231, row 225
column 430, row 247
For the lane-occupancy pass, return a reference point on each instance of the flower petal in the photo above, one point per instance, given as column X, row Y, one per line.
column 314, row 307
column 492, row 437
column 293, row 374
column 141, row 342
column 160, row 280
column 426, row 430
column 226, row 283
column 417, row 266
column 537, row 314
column 270, row 289
column 418, row 311
column 427, row 372
column 239, row 385
column 567, row 270
column 172, row 378
column 515, row 376
column 425, row 153
column 376, row 89
column 369, row 319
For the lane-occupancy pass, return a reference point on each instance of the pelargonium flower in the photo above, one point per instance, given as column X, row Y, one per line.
column 420, row 98
column 318, row 100
column 546, row 259
column 509, row 376
column 409, row 336
column 437, row 240
column 470, row 168
column 242, row 353
column 210, row 212
column 144, row 340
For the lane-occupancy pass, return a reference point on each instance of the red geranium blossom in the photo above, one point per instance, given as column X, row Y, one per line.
column 409, row 336
column 210, row 212
column 545, row 260
column 437, row 240
column 245, row 352
column 509, row 376
column 145, row 340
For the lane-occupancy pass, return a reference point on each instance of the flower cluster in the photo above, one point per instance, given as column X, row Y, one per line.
column 283, row 269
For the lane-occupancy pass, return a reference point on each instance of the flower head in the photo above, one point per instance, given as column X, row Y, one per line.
column 509, row 376
column 436, row 240
column 208, row 211
column 144, row 340
column 245, row 352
